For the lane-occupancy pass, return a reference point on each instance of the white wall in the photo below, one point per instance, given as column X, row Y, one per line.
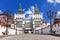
column 10, row 31
column 37, row 16
column 46, row 30
column 57, row 28
column 19, row 16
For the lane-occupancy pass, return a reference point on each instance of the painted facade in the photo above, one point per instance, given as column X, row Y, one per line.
column 55, row 27
column 35, row 23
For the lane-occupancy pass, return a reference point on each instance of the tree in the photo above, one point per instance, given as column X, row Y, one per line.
column 50, row 15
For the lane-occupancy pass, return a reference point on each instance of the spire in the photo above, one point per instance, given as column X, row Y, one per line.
column 36, row 9
column 56, row 16
column 20, row 9
column 11, row 13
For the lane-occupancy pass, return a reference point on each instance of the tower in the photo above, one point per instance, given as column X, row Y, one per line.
column 20, row 10
column 56, row 20
column 11, row 14
column 36, row 9
column 56, row 16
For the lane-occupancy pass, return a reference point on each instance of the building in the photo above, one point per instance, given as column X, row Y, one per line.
column 3, row 19
column 5, row 22
column 28, row 25
column 56, row 25
column 19, row 20
column 36, row 19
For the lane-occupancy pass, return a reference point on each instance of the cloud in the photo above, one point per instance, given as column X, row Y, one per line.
column 32, row 9
column 58, row 14
column 23, row 9
column 53, row 1
column 29, row 17
column 29, row 12
column 57, row 1
column 1, row 12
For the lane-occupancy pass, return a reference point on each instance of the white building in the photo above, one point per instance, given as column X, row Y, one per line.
column 55, row 27
column 35, row 22
column 19, row 20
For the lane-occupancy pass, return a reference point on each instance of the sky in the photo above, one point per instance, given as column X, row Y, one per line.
column 29, row 6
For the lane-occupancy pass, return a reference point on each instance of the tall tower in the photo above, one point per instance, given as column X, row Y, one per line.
column 20, row 10
column 56, row 20
column 56, row 16
column 11, row 13
column 36, row 9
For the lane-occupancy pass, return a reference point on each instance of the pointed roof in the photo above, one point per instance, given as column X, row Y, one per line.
column 56, row 16
column 36, row 9
column 56, row 20
column 11, row 14
column 20, row 10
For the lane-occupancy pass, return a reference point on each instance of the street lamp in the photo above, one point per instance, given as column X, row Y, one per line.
column 15, row 22
column 42, row 28
column 32, row 29
column 7, row 12
column 7, row 26
column 0, row 21
column 50, row 15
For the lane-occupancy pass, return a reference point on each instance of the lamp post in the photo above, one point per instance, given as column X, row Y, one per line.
column 7, row 12
column 42, row 29
column 32, row 29
column 7, row 26
column 0, row 22
column 50, row 15
column 15, row 22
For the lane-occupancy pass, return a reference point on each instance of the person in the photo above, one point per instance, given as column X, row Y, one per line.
column 54, row 31
column 3, row 33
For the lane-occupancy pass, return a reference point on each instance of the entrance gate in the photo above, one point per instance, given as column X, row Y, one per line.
column 28, row 27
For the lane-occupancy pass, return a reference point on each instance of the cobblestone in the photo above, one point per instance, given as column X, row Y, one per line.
column 31, row 37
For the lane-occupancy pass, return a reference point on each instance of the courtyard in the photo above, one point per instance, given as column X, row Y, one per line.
column 31, row 37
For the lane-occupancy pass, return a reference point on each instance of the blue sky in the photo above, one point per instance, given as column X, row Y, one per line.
column 43, row 5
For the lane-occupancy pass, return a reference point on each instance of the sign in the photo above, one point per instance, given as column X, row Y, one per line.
column 12, row 25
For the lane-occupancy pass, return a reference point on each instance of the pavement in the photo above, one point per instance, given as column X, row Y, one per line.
column 31, row 37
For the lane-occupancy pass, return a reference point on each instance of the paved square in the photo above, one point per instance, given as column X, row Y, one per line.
column 31, row 37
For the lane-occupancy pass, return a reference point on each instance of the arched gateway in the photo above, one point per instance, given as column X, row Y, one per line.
column 28, row 26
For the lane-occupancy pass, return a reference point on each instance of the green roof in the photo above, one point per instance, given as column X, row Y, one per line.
column 20, row 10
column 36, row 9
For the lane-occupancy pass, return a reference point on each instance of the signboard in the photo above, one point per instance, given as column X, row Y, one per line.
column 12, row 25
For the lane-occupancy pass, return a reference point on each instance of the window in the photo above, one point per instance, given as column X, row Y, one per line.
column 37, row 24
column 27, row 25
column 19, row 24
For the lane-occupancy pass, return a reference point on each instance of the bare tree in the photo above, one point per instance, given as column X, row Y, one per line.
column 50, row 15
